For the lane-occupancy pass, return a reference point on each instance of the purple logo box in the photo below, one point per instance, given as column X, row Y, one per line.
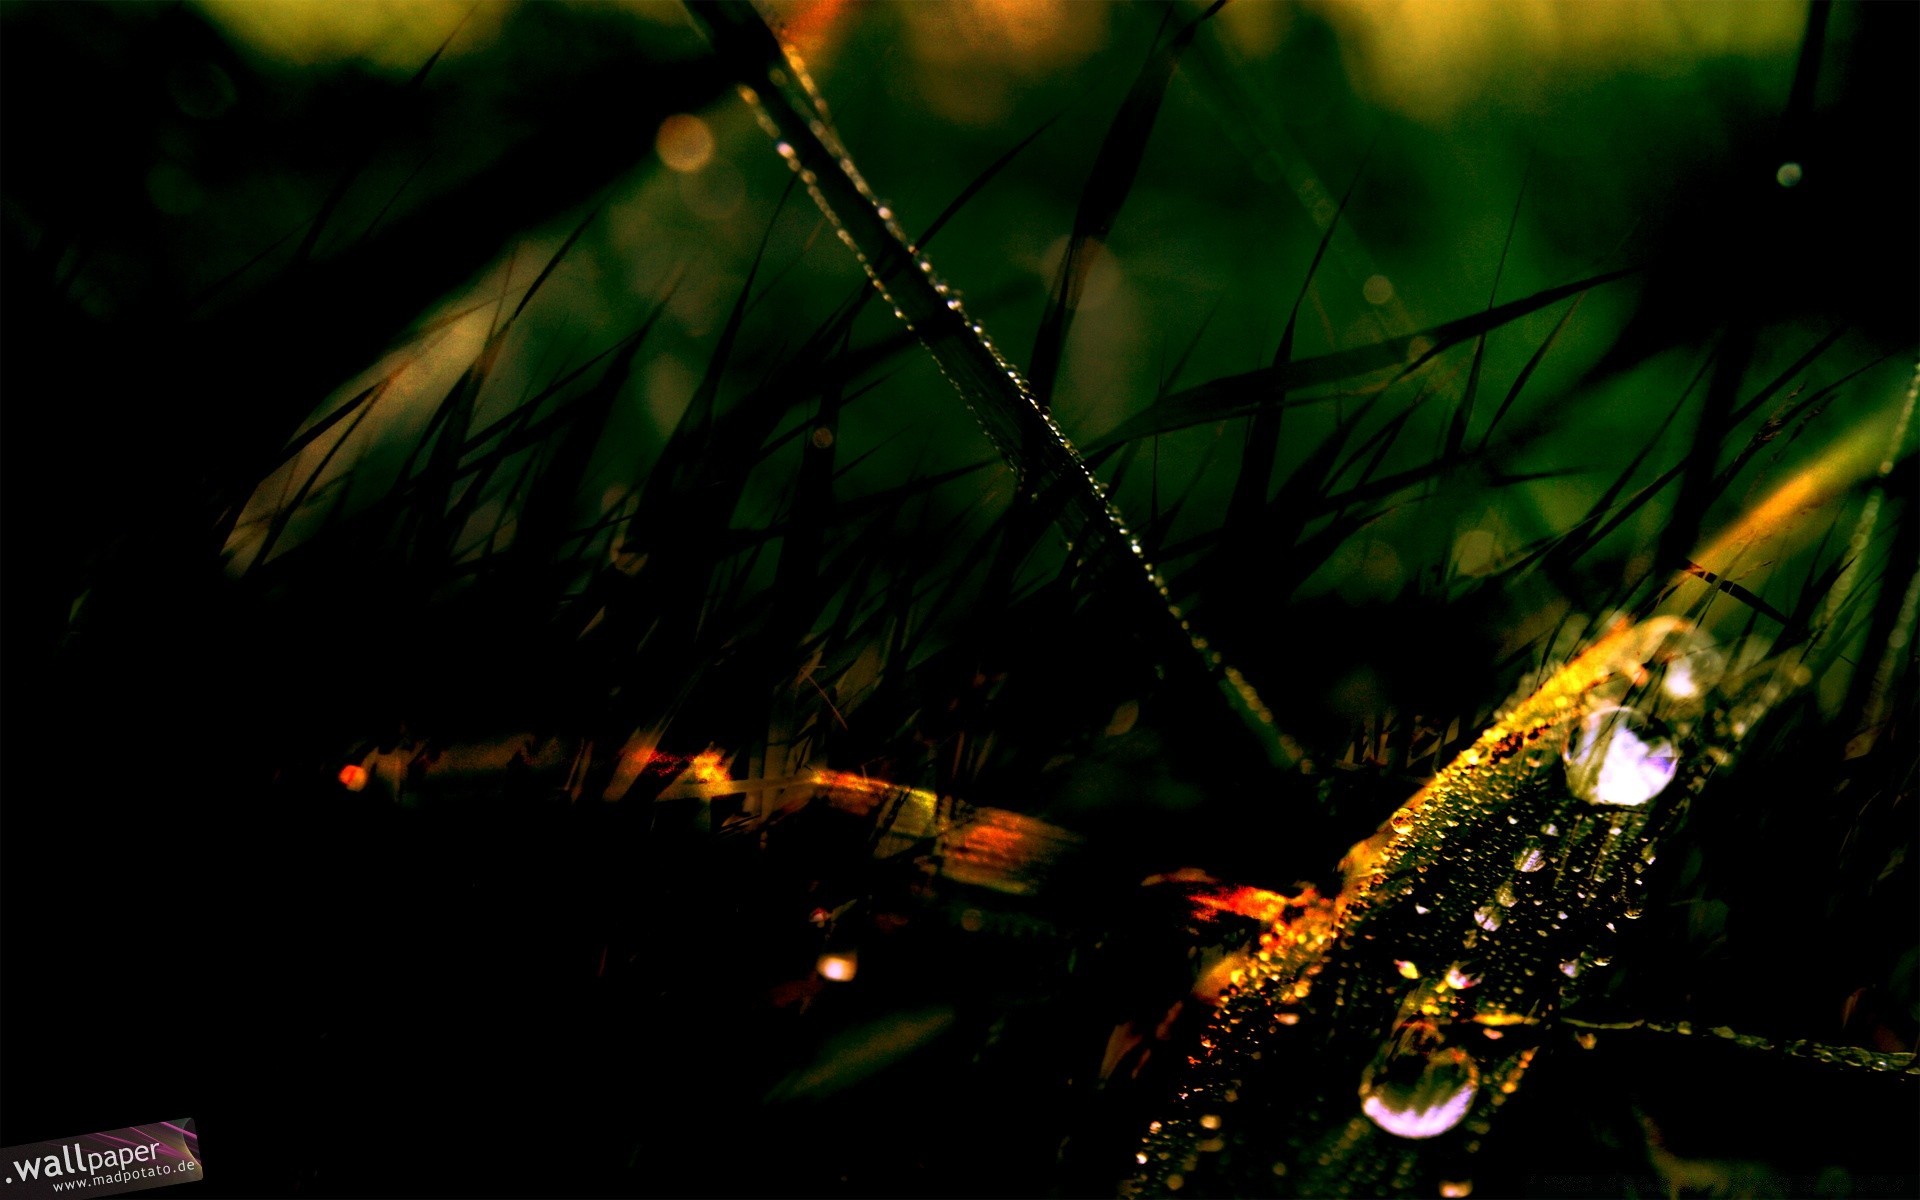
column 103, row 1164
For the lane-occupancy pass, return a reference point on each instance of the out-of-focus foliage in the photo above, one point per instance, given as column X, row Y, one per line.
column 468, row 394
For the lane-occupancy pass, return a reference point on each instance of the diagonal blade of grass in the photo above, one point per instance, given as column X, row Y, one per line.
column 1263, row 434
column 1533, row 364
column 1239, row 395
column 285, row 513
column 995, row 391
column 1463, row 413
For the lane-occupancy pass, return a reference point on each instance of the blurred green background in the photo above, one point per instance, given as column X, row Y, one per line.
column 226, row 221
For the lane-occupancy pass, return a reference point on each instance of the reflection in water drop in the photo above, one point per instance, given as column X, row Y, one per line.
column 1688, row 665
column 1617, row 756
column 1416, row 1092
column 1488, row 918
column 1688, row 677
column 1530, row 858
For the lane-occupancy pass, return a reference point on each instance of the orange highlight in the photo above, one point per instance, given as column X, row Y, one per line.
column 708, row 766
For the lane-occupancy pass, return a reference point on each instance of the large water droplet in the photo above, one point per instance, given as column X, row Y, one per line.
column 1617, row 756
column 1419, row 1089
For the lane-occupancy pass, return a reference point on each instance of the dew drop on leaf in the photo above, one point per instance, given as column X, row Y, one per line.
column 1616, row 756
column 1415, row 1093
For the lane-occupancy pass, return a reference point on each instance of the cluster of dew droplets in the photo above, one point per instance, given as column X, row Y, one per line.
column 1548, row 823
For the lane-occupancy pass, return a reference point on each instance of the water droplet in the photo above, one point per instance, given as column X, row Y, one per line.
column 1458, row 979
column 1530, row 858
column 1210, row 1121
column 1692, row 671
column 1419, row 1089
column 1407, row 970
column 1618, row 757
column 1504, row 897
column 1789, row 175
column 1488, row 918
column 1453, row 1189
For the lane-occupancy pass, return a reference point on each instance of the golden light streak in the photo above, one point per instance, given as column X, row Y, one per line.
column 1850, row 460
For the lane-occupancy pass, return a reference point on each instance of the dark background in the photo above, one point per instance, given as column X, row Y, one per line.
column 495, row 989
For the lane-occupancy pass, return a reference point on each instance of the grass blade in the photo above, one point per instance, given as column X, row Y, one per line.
column 1114, row 169
column 996, row 392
